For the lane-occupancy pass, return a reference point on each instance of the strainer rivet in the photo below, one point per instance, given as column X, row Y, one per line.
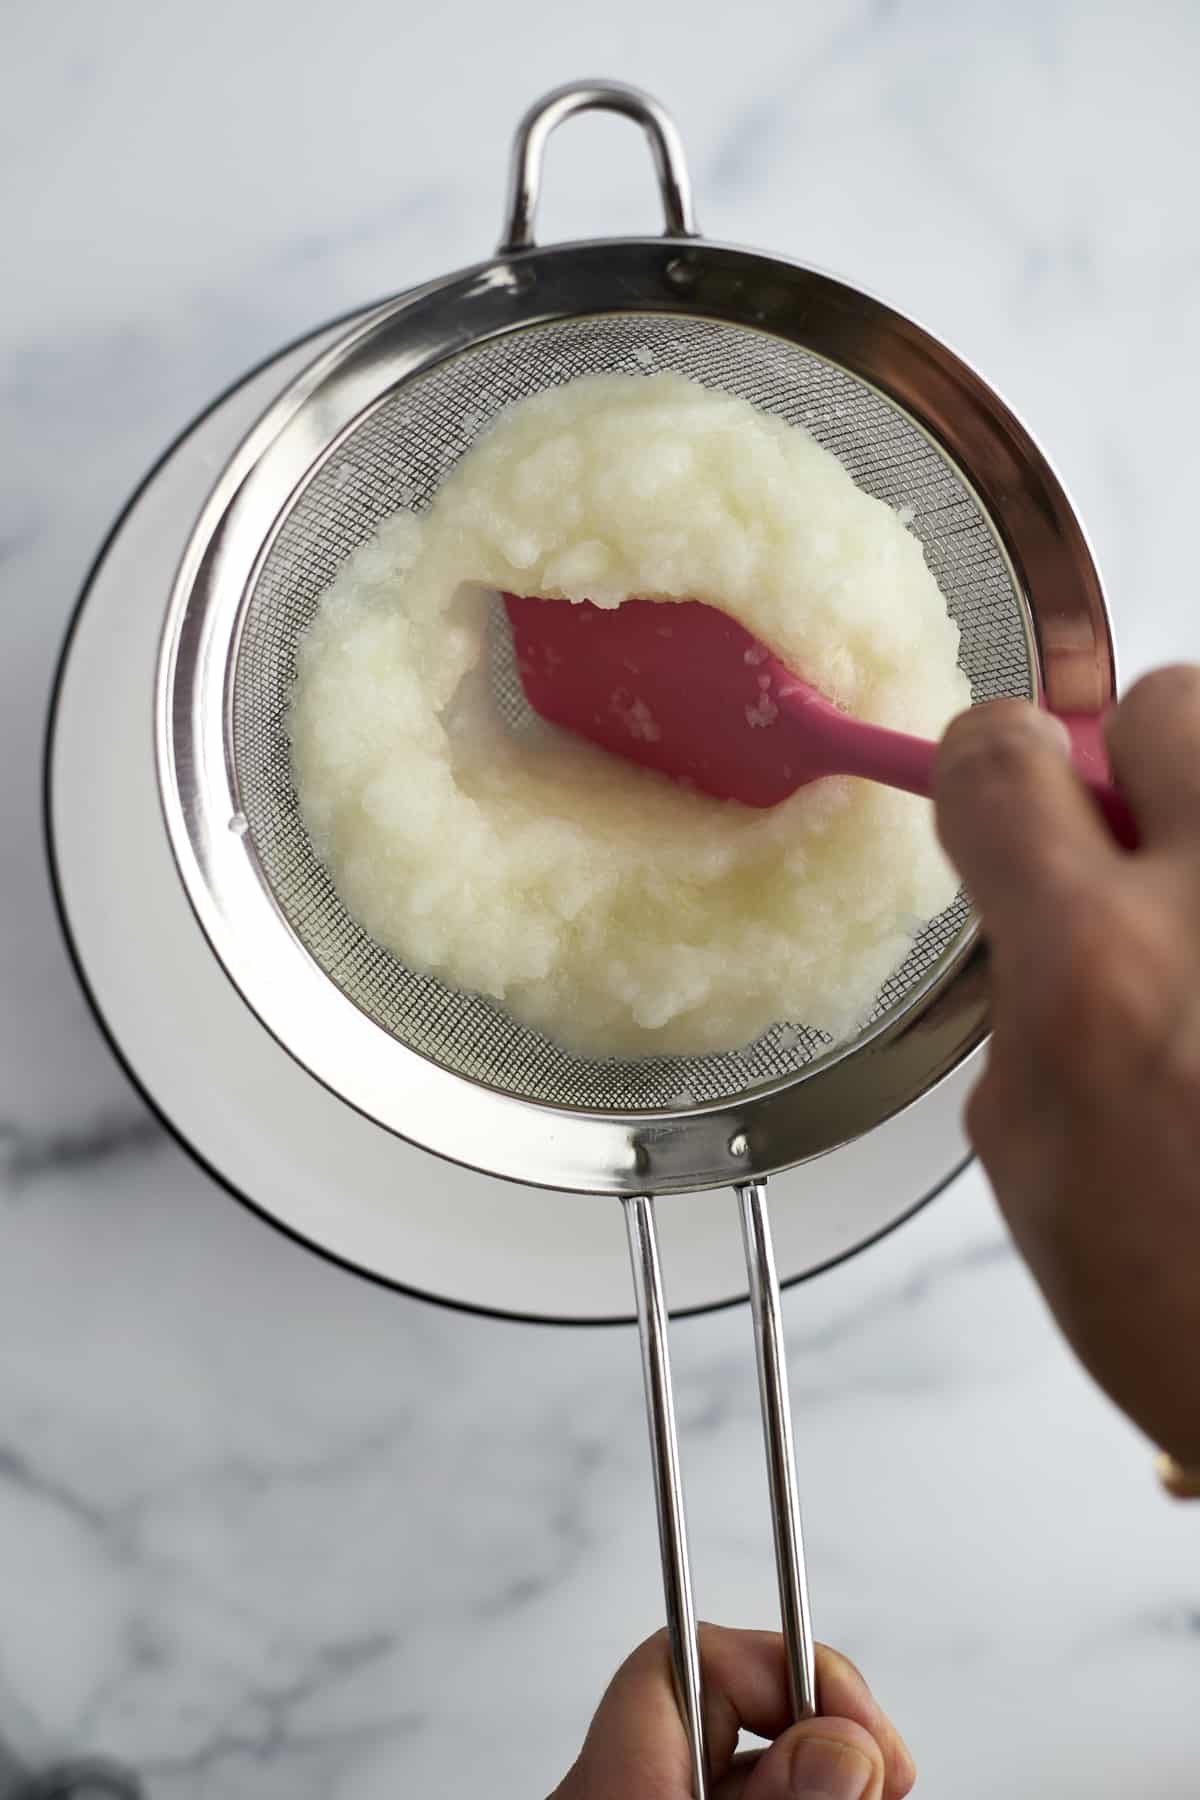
column 739, row 1144
column 681, row 272
column 239, row 824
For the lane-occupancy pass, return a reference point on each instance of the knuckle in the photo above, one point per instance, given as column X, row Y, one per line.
column 1160, row 712
column 991, row 744
column 839, row 1659
column 652, row 1654
column 1175, row 687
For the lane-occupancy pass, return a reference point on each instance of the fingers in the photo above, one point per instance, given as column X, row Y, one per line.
column 825, row 1759
column 1154, row 743
column 1012, row 814
column 746, row 1688
column 637, row 1745
column 843, row 1693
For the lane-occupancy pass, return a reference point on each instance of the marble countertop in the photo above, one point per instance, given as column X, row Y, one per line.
column 266, row 1531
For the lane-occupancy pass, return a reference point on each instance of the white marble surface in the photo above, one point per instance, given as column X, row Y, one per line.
column 264, row 1530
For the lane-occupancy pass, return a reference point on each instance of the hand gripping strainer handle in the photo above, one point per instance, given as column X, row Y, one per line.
column 668, row 1482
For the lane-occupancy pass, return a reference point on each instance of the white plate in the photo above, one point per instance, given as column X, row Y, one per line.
column 264, row 1127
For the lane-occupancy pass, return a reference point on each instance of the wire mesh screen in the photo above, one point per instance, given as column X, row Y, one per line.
column 395, row 457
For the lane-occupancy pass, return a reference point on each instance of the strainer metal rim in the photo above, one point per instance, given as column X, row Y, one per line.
column 611, row 1152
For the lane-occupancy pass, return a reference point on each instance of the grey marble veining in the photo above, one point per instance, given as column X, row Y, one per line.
column 268, row 1531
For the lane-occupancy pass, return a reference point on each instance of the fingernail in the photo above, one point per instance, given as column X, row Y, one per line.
column 825, row 1769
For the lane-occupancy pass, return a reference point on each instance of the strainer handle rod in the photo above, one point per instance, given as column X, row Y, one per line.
column 668, row 1481
column 529, row 148
column 781, row 1456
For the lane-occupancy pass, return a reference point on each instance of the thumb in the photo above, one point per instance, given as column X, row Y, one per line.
column 823, row 1759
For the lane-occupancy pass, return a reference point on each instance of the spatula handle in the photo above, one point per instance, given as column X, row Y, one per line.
column 891, row 757
column 1090, row 756
column 900, row 761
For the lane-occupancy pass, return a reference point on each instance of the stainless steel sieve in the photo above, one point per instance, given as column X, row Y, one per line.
column 373, row 426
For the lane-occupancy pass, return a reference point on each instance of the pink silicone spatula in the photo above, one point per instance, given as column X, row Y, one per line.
column 685, row 689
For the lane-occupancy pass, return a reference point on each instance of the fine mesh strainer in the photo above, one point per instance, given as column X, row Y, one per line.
column 374, row 426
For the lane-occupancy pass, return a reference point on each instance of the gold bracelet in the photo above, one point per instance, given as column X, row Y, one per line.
column 1180, row 1483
